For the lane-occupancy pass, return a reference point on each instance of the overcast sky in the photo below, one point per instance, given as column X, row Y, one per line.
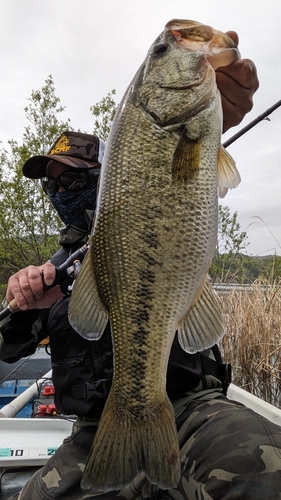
column 92, row 47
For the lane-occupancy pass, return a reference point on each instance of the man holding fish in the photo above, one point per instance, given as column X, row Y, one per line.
column 146, row 266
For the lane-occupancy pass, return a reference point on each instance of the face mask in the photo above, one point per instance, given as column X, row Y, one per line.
column 71, row 205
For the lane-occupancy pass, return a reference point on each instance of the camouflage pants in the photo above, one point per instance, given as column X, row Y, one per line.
column 227, row 452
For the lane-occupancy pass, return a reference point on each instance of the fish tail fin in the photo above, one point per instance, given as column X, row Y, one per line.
column 119, row 454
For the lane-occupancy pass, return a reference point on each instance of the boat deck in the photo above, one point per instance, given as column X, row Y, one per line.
column 13, row 480
column 14, row 378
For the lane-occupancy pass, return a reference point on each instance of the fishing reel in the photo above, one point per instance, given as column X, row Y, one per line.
column 69, row 277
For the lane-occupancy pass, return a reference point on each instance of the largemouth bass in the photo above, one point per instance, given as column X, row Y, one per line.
column 152, row 243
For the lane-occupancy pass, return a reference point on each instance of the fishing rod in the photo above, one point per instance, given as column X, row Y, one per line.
column 65, row 274
column 261, row 117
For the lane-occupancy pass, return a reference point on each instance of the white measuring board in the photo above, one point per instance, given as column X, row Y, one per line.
column 30, row 441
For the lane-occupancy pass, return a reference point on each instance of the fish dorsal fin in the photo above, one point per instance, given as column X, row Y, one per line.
column 228, row 175
column 86, row 312
column 202, row 327
column 186, row 159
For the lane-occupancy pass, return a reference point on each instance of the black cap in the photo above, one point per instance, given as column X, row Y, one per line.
column 71, row 148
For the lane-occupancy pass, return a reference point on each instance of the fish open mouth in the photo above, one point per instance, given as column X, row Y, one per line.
column 198, row 36
column 219, row 48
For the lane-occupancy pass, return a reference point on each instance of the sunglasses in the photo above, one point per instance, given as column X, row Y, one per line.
column 70, row 180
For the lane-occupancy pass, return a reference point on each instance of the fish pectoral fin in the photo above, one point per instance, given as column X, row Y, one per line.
column 86, row 312
column 228, row 175
column 202, row 327
column 186, row 159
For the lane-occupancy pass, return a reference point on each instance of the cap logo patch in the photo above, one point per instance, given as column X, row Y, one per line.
column 61, row 146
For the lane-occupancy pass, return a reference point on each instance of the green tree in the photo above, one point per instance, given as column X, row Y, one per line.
column 28, row 223
column 230, row 237
column 104, row 112
column 228, row 263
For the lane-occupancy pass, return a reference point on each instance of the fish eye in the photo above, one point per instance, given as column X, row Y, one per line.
column 160, row 48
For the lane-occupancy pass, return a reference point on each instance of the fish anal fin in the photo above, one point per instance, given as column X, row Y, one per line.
column 228, row 175
column 202, row 327
column 186, row 159
column 127, row 444
column 86, row 312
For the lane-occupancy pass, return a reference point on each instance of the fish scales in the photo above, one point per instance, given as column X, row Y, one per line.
column 134, row 303
column 152, row 243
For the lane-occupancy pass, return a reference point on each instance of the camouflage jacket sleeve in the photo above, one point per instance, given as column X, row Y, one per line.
column 21, row 332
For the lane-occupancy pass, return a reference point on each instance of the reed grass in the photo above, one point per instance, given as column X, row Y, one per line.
column 252, row 343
